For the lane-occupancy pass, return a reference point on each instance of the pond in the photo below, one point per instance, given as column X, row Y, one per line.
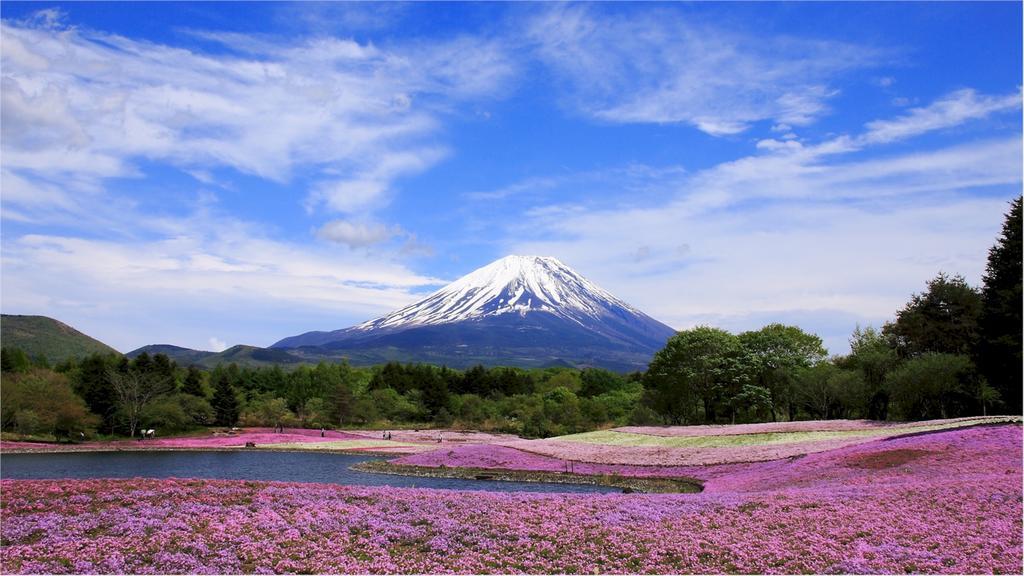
column 281, row 466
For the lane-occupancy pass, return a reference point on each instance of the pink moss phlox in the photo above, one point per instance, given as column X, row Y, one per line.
column 782, row 427
column 946, row 502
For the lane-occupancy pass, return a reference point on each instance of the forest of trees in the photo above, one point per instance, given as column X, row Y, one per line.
column 953, row 350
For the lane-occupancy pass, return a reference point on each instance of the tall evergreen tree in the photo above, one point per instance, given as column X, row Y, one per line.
column 193, row 383
column 944, row 319
column 999, row 347
column 92, row 382
column 143, row 363
column 224, row 403
column 164, row 366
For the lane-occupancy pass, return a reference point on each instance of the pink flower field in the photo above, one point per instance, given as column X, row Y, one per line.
column 944, row 502
column 430, row 436
column 713, row 445
column 777, row 427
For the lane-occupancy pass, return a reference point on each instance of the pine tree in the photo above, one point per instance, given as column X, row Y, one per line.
column 224, row 403
column 943, row 319
column 999, row 349
column 193, row 383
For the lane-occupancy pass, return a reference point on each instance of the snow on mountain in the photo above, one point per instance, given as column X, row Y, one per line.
column 519, row 310
column 511, row 285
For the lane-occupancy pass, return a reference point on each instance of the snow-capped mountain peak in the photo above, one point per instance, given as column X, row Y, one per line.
column 518, row 311
column 512, row 285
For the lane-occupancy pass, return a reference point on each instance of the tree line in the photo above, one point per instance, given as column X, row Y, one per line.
column 953, row 350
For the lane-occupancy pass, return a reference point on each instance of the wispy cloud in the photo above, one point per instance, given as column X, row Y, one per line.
column 838, row 230
column 205, row 262
column 357, row 234
column 94, row 105
column 656, row 66
column 955, row 109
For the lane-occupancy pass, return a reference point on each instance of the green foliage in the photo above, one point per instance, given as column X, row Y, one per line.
column 644, row 415
column 135, row 387
column 597, row 381
column 43, row 401
column 392, row 406
column 693, row 371
column 776, row 356
column 197, row 409
column 14, row 360
column 944, row 319
column 166, row 415
column 472, row 409
column 827, row 391
column 224, row 402
column 443, row 418
column 92, row 382
column 559, row 378
column 268, row 411
column 872, row 359
column 193, row 384
column 751, row 403
column 935, row 385
column 315, row 414
column 999, row 347
column 28, row 422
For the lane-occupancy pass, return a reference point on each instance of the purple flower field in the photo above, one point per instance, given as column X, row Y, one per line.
column 946, row 502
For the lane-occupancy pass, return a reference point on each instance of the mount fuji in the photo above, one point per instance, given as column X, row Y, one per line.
column 520, row 311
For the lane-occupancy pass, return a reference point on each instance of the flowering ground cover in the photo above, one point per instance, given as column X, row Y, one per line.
column 799, row 426
column 617, row 447
column 336, row 445
column 785, row 433
column 946, row 502
column 430, row 436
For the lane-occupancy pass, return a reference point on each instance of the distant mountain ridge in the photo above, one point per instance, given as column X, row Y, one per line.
column 41, row 336
column 519, row 310
column 525, row 311
column 240, row 354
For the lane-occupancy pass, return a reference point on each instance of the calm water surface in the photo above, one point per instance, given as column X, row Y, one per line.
column 283, row 466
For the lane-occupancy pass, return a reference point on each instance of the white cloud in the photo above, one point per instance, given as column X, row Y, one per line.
column 772, row 145
column 357, row 234
column 658, row 67
column 206, row 266
column 82, row 102
column 217, row 345
column 830, row 235
column 952, row 110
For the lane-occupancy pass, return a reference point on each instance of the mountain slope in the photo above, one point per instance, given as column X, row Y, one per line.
column 43, row 336
column 240, row 354
column 519, row 310
column 183, row 356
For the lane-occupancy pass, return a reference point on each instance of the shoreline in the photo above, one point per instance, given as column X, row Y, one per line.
column 95, row 449
column 645, row 485
column 628, row 484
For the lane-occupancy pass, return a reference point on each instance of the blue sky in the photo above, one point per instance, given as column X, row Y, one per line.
column 208, row 174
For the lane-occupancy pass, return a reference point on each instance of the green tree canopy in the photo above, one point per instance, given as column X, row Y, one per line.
column 944, row 319
column 935, row 385
column 193, row 384
column 692, row 372
column 776, row 355
column 224, row 401
column 999, row 349
column 42, row 401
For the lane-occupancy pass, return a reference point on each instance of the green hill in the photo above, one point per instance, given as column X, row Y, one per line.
column 242, row 355
column 183, row 356
column 42, row 336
